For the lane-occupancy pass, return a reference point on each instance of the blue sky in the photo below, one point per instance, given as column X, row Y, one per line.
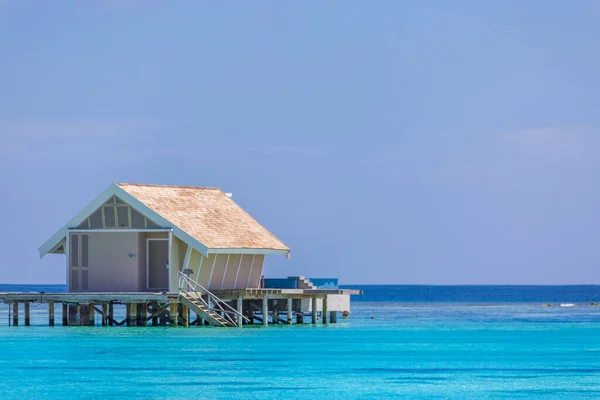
column 385, row 142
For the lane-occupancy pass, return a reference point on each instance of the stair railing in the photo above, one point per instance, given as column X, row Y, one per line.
column 208, row 299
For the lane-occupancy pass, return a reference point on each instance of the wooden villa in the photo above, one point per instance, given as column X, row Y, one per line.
column 167, row 253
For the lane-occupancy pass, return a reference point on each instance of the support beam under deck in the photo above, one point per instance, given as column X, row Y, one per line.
column 289, row 311
column 51, row 314
column 239, row 304
column 265, row 311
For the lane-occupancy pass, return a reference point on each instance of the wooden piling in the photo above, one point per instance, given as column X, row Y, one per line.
column 324, row 312
column 265, row 311
column 155, row 308
column 128, row 314
column 71, row 314
column 81, row 313
column 173, row 314
column 65, row 315
column 111, row 312
column 131, row 314
column 289, row 311
column 51, row 314
column 185, row 316
column 240, row 308
column 27, row 316
column 91, row 315
column 142, row 313
column 314, row 310
column 105, row 314
column 15, row 314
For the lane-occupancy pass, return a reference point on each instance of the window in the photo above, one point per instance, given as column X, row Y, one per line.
column 109, row 217
column 123, row 217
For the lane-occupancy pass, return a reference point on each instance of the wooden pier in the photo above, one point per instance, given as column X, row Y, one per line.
column 237, row 307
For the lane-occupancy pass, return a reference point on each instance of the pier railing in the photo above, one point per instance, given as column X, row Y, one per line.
column 212, row 303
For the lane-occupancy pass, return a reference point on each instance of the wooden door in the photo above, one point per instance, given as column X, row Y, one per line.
column 79, row 264
column 158, row 264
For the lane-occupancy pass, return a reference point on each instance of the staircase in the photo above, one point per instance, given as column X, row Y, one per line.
column 202, row 310
column 207, row 305
column 304, row 283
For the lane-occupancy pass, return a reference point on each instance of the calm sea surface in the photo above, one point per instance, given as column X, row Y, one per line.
column 400, row 342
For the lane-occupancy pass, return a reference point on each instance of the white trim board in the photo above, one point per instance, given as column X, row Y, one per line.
column 87, row 210
column 249, row 251
column 109, row 230
column 115, row 190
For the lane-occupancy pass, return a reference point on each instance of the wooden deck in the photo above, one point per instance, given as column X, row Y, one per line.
column 264, row 306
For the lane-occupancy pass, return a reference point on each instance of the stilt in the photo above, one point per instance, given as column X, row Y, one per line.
column 142, row 312
column 299, row 317
column 51, row 314
column 314, row 310
column 185, row 314
column 289, row 311
column 9, row 309
column 81, row 314
column 173, row 314
column 91, row 317
column 324, row 312
column 131, row 314
column 265, row 311
column 104, row 314
column 65, row 315
column 72, row 314
column 15, row 314
column 26, row 307
column 111, row 312
column 82, row 311
column 240, row 320
column 155, row 308
column 251, row 316
column 333, row 317
column 128, row 313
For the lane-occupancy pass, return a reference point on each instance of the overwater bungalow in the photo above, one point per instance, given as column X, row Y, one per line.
column 164, row 251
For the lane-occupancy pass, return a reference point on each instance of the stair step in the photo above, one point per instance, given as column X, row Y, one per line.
column 201, row 308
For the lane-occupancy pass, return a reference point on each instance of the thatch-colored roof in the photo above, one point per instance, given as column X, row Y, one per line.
column 206, row 214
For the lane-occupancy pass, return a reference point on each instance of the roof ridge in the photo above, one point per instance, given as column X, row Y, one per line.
column 166, row 186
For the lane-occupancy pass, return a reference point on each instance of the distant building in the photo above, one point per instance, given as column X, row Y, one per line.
column 136, row 238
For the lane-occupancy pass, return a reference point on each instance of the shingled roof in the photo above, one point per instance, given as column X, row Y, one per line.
column 206, row 214
column 205, row 218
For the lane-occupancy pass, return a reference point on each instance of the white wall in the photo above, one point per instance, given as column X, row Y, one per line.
column 111, row 267
column 335, row 302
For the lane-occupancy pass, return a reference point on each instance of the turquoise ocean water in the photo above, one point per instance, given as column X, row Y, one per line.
column 400, row 342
